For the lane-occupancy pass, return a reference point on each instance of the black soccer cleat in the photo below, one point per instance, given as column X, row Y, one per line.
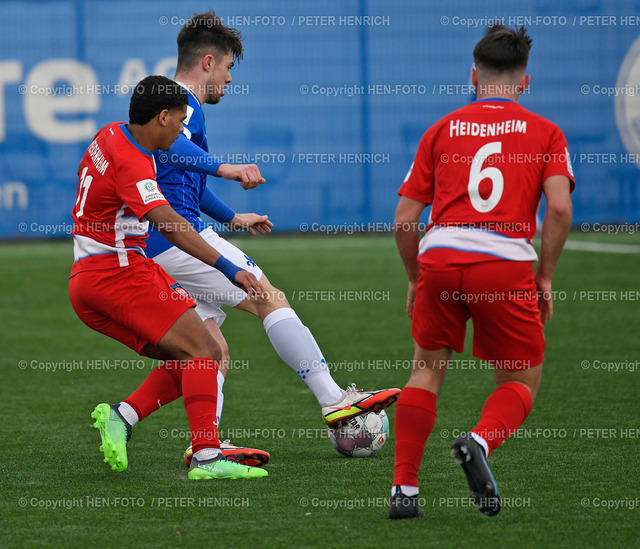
column 404, row 507
column 483, row 487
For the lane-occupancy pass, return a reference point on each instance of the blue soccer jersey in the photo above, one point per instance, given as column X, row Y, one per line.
column 182, row 177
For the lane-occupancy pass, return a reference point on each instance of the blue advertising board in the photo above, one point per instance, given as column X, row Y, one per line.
column 330, row 99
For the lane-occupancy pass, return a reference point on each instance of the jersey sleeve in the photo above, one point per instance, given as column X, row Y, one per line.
column 557, row 159
column 136, row 186
column 214, row 207
column 418, row 184
column 186, row 155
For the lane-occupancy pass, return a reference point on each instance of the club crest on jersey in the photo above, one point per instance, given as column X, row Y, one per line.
column 250, row 261
column 180, row 290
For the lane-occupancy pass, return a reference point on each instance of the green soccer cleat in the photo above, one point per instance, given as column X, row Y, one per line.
column 115, row 433
column 241, row 454
column 222, row 468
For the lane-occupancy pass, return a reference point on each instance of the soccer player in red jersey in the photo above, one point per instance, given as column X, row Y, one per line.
column 483, row 169
column 119, row 292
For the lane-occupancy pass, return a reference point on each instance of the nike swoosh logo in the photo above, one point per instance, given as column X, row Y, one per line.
column 337, row 408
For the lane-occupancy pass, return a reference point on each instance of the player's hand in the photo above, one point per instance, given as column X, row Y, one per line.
column 411, row 298
column 545, row 301
column 250, row 284
column 248, row 174
column 250, row 222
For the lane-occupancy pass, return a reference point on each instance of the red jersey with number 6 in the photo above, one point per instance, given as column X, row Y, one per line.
column 482, row 168
column 117, row 187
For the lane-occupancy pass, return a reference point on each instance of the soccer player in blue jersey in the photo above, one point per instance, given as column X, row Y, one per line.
column 207, row 50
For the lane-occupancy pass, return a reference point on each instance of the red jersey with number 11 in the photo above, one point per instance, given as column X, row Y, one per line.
column 117, row 187
column 482, row 168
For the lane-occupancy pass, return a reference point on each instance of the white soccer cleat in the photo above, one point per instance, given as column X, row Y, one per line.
column 356, row 402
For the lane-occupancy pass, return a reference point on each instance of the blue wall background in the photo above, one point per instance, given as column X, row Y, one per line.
column 417, row 54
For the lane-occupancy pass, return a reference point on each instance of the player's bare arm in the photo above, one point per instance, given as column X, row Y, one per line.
column 177, row 230
column 555, row 229
column 406, row 228
column 247, row 174
column 250, row 222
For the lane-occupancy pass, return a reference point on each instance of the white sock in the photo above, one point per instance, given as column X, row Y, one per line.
column 207, row 453
column 220, row 396
column 295, row 344
column 482, row 442
column 406, row 490
column 128, row 413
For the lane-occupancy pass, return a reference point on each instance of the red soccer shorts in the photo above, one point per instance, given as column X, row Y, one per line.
column 136, row 304
column 501, row 299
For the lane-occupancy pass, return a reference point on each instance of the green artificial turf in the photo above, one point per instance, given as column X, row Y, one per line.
column 569, row 477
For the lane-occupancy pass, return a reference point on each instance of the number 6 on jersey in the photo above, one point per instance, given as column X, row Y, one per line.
column 476, row 175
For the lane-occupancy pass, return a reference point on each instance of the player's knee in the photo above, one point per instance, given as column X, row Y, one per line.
column 427, row 378
column 205, row 348
column 224, row 350
column 225, row 359
column 263, row 307
column 533, row 387
column 277, row 299
column 533, row 381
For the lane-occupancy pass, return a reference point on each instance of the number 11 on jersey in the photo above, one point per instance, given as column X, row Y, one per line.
column 85, row 183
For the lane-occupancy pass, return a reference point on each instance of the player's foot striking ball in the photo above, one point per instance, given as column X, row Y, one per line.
column 115, row 433
column 356, row 402
column 220, row 467
column 482, row 486
column 402, row 506
column 251, row 457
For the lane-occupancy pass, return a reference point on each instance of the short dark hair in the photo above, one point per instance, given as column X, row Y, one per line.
column 503, row 50
column 154, row 94
column 205, row 32
column 495, row 28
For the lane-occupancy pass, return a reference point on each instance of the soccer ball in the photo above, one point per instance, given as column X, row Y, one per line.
column 363, row 436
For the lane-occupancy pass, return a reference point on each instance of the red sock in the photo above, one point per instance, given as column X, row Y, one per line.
column 162, row 385
column 200, row 394
column 415, row 418
column 503, row 412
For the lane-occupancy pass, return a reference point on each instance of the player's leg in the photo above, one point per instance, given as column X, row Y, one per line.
column 438, row 327
column 291, row 339
column 529, row 377
column 293, row 342
column 223, row 363
column 182, row 336
column 200, row 374
column 210, row 288
column 104, row 300
column 508, row 333
column 507, row 407
column 245, row 455
column 173, row 327
column 414, row 420
column 147, row 315
column 297, row 347
column 502, row 414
